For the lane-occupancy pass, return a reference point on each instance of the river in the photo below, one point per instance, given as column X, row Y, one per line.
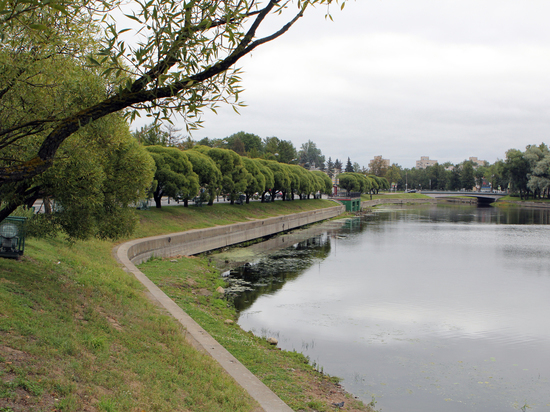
column 433, row 308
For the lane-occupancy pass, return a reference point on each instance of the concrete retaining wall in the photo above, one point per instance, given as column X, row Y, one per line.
column 471, row 200
column 375, row 202
column 191, row 242
column 202, row 240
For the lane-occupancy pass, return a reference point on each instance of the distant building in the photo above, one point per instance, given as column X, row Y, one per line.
column 378, row 161
column 477, row 162
column 424, row 162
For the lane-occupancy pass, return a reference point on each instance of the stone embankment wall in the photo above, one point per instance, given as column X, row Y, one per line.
column 369, row 203
column 192, row 242
column 201, row 240
column 469, row 200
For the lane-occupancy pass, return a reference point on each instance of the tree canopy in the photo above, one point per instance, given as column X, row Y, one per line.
column 255, row 178
column 349, row 182
column 99, row 170
column 349, row 167
column 174, row 174
column 234, row 174
column 516, row 169
column 326, row 182
column 210, row 176
column 281, row 177
column 310, row 155
column 183, row 61
column 91, row 192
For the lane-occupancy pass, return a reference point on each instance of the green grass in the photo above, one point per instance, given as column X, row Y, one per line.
column 178, row 218
column 78, row 333
column 511, row 198
column 76, row 328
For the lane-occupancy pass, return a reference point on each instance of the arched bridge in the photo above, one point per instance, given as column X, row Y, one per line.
column 482, row 197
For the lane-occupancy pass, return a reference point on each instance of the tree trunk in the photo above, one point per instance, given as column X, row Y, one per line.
column 211, row 198
column 157, row 196
column 47, row 205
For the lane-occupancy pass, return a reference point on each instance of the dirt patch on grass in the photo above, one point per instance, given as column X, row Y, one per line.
column 21, row 400
column 18, row 394
column 328, row 393
column 12, row 355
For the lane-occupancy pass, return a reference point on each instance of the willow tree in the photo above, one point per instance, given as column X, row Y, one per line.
column 381, row 183
column 349, row 182
column 268, row 176
column 325, row 182
column 301, row 182
column 174, row 175
column 281, row 178
column 183, row 60
column 234, row 175
column 255, row 178
column 209, row 174
column 100, row 170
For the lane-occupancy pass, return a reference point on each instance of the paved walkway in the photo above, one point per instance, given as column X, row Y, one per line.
column 201, row 340
column 195, row 334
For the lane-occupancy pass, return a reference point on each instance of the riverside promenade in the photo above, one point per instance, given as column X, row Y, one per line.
column 134, row 252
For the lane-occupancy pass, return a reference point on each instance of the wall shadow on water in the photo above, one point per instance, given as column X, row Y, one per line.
column 263, row 268
column 465, row 214
column 268, row 274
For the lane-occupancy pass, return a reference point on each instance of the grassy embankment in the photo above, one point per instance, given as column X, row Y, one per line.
column 78, row 334
column 515, row 199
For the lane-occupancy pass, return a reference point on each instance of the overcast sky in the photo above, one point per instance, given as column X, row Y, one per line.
column 402, row 79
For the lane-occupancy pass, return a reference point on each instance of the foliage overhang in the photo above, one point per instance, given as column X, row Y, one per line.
column 183, row 63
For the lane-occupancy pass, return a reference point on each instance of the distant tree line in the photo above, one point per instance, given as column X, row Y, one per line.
column 523, row 173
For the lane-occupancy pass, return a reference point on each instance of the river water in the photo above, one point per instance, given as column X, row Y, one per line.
column 435, row 308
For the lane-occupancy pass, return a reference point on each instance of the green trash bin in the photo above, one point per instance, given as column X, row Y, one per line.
column 12, row 236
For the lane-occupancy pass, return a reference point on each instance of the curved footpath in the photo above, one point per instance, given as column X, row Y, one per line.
column 191, row 242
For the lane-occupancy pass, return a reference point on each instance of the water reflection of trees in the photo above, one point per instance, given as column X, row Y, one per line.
column 269, row 274
column 464, row 214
